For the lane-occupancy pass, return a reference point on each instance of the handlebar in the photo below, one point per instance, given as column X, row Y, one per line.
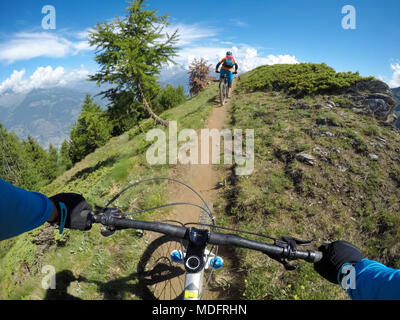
column 220, row 72
column 274, row 251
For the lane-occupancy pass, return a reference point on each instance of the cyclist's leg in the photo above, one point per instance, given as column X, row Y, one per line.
column 230, row 81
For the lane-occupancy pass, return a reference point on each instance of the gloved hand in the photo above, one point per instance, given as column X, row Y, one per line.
column 335, row 255
column 77, row 211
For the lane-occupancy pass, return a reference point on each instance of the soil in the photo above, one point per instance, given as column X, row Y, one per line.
column 202, row 178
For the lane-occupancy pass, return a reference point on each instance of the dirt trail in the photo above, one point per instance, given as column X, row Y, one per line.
column 202, row 178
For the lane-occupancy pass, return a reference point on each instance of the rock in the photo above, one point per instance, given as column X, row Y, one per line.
column 327, row 134
column 373, row 157
column 300, row 107
column 324, row 155
column 378, row 106
column 306, row 158
column 331, row 104
column 372, row 97
column 381, row 139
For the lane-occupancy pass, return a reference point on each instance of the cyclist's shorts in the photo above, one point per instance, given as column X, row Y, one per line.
column 229, row 75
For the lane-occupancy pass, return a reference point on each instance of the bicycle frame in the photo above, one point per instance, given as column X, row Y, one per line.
column 193, row 287
column 223, row 88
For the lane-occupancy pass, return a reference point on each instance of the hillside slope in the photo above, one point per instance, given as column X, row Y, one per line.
column 326, row 168
column 106, row 267
column 324, row 171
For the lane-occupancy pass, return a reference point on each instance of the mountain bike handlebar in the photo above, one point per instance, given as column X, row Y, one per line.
column 275, row 251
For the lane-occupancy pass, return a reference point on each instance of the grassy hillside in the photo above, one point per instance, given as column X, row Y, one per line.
column 349, row 191
column 322, row 173
column 396, row 93
column 106, row 266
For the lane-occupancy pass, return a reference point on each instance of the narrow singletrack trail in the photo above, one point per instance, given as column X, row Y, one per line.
column 203, row 178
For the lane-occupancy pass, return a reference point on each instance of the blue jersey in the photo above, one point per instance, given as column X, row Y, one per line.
column 375, row 281
column 21, row 210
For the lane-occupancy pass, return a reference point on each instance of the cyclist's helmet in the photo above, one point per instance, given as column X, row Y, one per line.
column 229, row 53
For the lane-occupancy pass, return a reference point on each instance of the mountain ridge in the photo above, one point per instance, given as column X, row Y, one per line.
column 47, row 115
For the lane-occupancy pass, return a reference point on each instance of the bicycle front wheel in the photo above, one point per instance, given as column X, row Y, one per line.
column 159, row 277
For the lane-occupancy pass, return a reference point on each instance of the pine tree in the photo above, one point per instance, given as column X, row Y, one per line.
column 91, row 131
column 171, row 97
column 131, row 52
column 64, row 159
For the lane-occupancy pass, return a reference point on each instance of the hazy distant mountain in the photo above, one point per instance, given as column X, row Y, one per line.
column 47, row 115
column 175, row 75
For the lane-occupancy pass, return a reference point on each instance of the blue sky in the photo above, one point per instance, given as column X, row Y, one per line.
column 258, row 31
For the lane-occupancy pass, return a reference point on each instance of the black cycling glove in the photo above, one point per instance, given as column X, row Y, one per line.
column 73, row 211
column 335, row 255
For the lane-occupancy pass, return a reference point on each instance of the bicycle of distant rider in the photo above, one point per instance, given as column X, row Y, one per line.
column 223, row 88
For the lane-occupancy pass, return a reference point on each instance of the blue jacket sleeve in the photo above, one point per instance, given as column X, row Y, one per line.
column 375, row 281
column 21, row 210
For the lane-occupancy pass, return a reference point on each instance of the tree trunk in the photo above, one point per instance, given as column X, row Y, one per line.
column 156, row 118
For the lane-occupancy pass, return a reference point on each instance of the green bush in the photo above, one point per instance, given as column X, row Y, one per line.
column 299, row 80
column 169, row 98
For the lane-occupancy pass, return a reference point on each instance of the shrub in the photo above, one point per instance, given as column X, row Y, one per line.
column 198, row 75
column 299, row 80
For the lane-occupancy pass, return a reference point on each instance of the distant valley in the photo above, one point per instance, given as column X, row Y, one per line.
column 48, row 115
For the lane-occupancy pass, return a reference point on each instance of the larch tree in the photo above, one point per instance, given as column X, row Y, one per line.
column 131, row 52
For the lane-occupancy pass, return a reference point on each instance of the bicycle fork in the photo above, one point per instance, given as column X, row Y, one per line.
column 196, row 259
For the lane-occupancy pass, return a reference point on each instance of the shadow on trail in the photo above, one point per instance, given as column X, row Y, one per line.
column 157, row 278
column 151, row 272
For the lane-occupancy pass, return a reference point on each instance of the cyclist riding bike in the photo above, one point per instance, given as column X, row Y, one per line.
column 227, row 69
column 22, row 211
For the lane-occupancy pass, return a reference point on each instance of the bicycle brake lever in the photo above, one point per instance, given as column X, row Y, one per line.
column 297, row 242
column 291, row 244
column 287, row 265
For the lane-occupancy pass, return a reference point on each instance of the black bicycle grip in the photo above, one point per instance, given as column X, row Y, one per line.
column 167, row 229
column 269, row 249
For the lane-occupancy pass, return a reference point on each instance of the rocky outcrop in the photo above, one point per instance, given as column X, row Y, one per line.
column 372, row 97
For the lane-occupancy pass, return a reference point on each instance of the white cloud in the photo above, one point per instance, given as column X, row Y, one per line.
column 238, row 22
column 25, row 46
column 189, row 34
column 43, row 77
column 247, row 57
column 395, row 81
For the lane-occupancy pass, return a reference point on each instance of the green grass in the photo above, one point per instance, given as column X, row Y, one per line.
column 298, row 80
column 286, row 197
